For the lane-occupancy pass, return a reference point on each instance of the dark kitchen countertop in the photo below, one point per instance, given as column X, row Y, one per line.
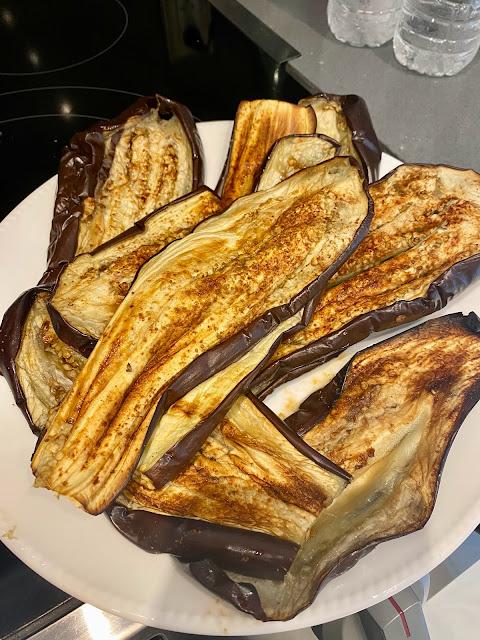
column 421, row 119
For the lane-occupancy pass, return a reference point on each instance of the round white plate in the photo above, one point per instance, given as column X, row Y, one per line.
column 85, row 556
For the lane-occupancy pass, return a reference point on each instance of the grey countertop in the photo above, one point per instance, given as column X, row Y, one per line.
column 421, row 119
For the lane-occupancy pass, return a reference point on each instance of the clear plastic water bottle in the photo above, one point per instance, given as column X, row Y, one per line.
column 437, row 37
column 363, row 22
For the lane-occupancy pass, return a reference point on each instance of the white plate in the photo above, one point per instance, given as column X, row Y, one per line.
column 84, row 555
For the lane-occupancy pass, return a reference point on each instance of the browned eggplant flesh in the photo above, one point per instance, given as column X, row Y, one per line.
column 293, row 153
column 422, row 249
column 109, row 176
column 167, row 313
column 199, row 318
column 118, row 171
column 258, row 125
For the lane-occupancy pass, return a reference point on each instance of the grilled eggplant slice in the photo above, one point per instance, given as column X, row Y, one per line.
column 118, row 171
column 246, row 475
column 194, row 310
column 293, row 153
column 424, row 248
column 45, row 366
column 402, row 403
column 95, row 164
column 37, row 365
column 91, row 287
column 258, row 125
column 347, row 120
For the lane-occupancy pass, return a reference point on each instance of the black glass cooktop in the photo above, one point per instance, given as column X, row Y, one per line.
column 65, row 64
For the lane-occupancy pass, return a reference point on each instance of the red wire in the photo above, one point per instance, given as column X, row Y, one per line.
column 402, row 615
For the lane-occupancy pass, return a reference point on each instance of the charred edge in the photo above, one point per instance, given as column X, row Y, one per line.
column 439, row 293
column 320, row 136
column 241, row 550
column 227, row 352
column 294, row 439
column 318, row 405
column 83, row 342
column 80, row 166
column 364, row 138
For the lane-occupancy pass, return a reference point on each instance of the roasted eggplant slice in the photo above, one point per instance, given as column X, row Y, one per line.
column 194, row 310
column 347, row 120
column 91, row 287
column 246, row 475
column 293, row 153
column 253, row 553
column 97, row 163
column 117, row 172
column 258, row 125
column 38, row 367
column 401, row 404
column 424, row 249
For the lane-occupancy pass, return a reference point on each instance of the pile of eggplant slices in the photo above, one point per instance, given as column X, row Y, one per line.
column 167, row 312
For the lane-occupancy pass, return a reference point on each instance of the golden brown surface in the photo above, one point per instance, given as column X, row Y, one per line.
column 93, row 285
column 198, row 292
column 426, row 219
column 246, row 475
column 291, row 154
column 151, row 165
column 332, row 122
column 258, row 125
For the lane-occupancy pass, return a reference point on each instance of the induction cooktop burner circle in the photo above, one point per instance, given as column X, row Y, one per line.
column 39, row 37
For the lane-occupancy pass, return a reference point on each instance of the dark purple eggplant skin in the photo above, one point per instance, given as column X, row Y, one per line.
column 72, row 336
column 317, row 405
column 78, row 176
column 322, row 136
column 80, row 169
column 301, row 446
column 250, row 552
column 80, row 341
column 364, row 138
column 439, row 293
column 243, row 595
column 227, row 352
